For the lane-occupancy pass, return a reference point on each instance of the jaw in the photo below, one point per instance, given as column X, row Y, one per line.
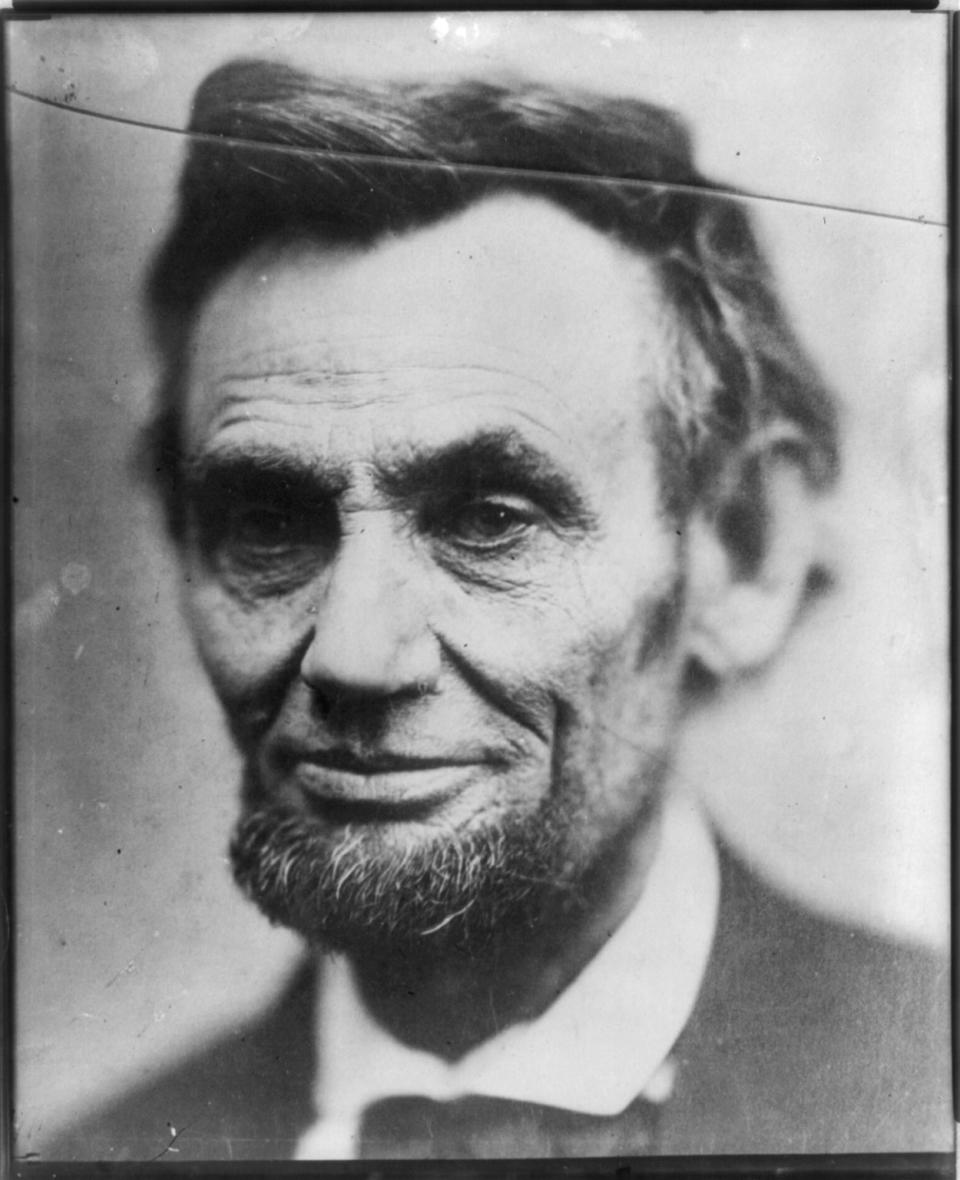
column 467, row 990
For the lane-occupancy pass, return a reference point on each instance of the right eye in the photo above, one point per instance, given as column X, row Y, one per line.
column 260, row 528
column 270, row 548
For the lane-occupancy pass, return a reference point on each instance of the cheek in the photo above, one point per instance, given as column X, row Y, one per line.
column 243, row 649
column 615, row 733
column 581, row 646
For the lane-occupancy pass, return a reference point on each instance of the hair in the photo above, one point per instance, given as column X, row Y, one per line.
column 277, row 153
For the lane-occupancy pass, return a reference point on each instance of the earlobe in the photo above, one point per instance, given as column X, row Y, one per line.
column 738, row 618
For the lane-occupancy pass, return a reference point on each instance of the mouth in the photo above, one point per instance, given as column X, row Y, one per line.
column 346, row 786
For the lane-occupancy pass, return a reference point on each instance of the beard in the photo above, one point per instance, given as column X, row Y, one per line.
column 364, row 889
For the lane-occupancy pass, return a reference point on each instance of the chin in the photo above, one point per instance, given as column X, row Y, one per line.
column 385, row 887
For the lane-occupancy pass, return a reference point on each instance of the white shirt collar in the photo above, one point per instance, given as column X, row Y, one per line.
column 602, row 1042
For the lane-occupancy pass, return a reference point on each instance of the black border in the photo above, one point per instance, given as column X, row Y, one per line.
column 908, row 1166
column 953, row 455
column 39, row 9
column 6, row 651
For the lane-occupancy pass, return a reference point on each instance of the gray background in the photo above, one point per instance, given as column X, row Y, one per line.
column 831, row 772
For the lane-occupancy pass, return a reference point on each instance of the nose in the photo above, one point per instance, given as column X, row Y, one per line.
column 371, row 636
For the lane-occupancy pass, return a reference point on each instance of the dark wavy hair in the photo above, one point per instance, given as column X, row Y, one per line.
column 276, row 152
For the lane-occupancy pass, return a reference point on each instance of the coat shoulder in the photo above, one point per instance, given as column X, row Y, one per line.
column 814, row 1036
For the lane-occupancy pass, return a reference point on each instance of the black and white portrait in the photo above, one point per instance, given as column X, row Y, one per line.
column 479, row 504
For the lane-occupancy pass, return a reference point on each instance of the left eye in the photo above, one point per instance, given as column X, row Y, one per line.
column 485, row 524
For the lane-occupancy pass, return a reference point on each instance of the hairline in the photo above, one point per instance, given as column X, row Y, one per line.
column 737, row 365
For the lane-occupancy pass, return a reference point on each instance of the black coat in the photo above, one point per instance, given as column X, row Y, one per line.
column 807, row 1036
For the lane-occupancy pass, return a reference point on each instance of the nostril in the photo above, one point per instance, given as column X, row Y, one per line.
column 323, row 703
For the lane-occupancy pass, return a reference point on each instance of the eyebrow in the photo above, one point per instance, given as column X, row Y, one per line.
column 260, row 468
column 497, row 460
column 489, row 461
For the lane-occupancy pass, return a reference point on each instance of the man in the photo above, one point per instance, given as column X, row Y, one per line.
column 486, row 448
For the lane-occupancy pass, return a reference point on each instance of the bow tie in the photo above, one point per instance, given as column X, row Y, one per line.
column 477, row 1127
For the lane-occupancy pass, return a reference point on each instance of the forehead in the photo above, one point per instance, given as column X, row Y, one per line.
column 512, row 313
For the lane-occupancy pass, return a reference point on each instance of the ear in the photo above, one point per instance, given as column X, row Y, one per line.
column 749, row 560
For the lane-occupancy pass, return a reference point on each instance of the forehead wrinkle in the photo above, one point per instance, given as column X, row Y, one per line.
column 545, row 445
column 310, row 379
column 306, row 359
column 236, row 400
column 504, row 418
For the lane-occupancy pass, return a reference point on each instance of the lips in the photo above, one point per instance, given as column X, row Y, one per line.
column 379, row 782
column 379, row 763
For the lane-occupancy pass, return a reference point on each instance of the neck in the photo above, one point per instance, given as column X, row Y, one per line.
column 450, row 1004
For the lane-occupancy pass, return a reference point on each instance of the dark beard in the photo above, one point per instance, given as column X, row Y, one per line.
column 351, row 887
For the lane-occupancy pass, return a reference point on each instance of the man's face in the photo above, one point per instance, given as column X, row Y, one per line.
column 428, row 571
